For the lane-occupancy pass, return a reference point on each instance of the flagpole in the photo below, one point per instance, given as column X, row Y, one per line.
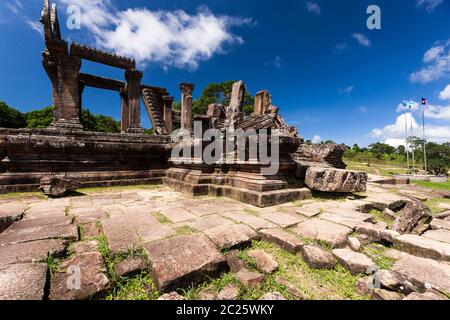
column 406, row 140
column 412, row 142
column 424, row 141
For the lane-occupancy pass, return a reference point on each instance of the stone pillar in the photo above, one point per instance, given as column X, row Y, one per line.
column 134, row 78
column 234, row 110
column 125, row 110
column 262, row 102
column 65, row 77
column 186, row 106
column 168, row 124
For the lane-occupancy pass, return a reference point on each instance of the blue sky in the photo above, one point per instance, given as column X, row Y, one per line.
column 330, row 75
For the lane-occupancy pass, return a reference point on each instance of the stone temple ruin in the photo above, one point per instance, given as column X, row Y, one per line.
column 66, row 151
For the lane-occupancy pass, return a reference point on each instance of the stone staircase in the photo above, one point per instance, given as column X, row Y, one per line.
column 156, row 115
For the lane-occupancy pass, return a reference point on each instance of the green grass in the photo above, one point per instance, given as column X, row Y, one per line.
column 376, row 253
column 53, row 264
column 433, row 204
column 161, row 218
column 433, row 185
column 186, row 231
column 118, row 188
column 22, row 195
column 141, row 287
column 379, row 216
column 385, row 169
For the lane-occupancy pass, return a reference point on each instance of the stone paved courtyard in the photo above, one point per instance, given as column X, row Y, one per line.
column 151, row 242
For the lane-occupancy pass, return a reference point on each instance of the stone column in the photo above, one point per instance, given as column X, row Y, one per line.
column 65, row 77
column 262, row 102
column 134, row 78
column 234, row 110
column 186, row 106
column 125, row 111
column 168, row 124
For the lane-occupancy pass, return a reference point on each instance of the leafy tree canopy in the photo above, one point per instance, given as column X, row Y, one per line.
column 11, row 118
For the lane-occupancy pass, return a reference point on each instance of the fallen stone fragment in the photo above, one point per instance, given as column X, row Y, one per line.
column 250, row 279
column 380, row 294
column 413, row 218
column 318, row 258
column 282, row 238
column 423, row 247
column 388, row 235
column 29, row 252
column 354, row 262
column 373, row 231
column 354, row 244
column 234, row 261
column 363, row 239
column 10, row 213
column 442, row 215
column 82, row 276
column 274, row 296
column 317, row 229
column 171, row 296
column 424, row 296
column 207, row 294
column 57, row 187
column 365, row 286
column 231, row 236
column 389, row 214
column 424, row 273
column 229, row 293
column 23, row 281
column 130, row 267
column 290, row 288
column 392, row 281
column 335, row 180
column 182, row 261
column 264, row 262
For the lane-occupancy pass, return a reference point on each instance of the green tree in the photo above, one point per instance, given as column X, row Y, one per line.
column 10, row 117
column 99, row 123
column 219, row 93
column 379, row 149
column 39, row 119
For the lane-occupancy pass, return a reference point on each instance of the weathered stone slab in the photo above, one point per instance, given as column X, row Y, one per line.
column 231, row 236
column 252, row 221
column 290, row 288
column 10, row 213
column 40, row 222
column 66, row 232
column 347, row 221
column 354, row 262
column 90, row 230
column 181, row 261
column 29, row 252
column 423, row 247
column 318, row 258
column 249, row 278
column 89, row 264
column 427, row 296
column 129, row 267
column 177, row 215
column 23, row 281
column 424, row 273
column 392, row 281
column 284, row 220
column 309, row 210
column 86, row 215
column 438, row 224
column 373, row 231
column 264, row 262
column 335, row 180
column 317, row 229
column 208, row 222
column 438, row 235
column 389, row 235
column 282, row 238
column 380, row 294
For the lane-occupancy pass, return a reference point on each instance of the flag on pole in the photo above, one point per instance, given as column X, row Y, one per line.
column 405, row 104
column 424, row 101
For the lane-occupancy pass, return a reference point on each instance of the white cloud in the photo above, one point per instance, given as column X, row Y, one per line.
column 362, row 39
column 363, row 109
column 170, row 38
column 445, row 94
column 35, row 25
column 340, row 47
column 313, row 7
column 347, row 90
column 394, row 133
column 429, row 5
column 316, row 139
column 437, row 60
column 276, row 62
column 14, row 6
